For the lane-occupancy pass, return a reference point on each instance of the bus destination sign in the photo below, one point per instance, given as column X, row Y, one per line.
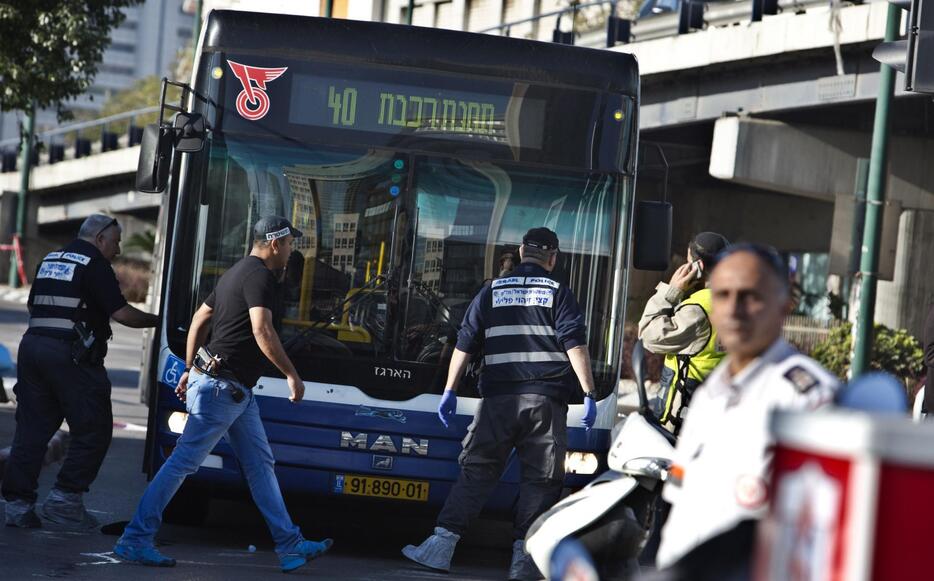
column 403, row 109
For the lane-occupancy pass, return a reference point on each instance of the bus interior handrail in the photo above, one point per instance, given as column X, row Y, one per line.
column 377, row 281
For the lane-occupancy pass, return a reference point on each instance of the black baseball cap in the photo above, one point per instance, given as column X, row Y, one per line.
column 541, row 238
column 707, row 246
column 274, row 227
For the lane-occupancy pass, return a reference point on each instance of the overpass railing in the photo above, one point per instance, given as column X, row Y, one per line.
column 81, row 139
column 606, row 23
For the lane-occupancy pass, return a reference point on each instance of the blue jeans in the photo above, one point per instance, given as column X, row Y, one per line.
column 212, row 413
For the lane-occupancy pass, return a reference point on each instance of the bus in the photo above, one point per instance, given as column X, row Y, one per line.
column 414, row 160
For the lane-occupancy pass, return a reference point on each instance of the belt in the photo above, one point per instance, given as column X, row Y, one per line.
column 51, row 334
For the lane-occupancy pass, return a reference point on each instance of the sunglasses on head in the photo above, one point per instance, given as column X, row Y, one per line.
column 113, row 222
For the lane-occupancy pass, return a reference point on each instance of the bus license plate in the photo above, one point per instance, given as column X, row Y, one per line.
column 381, row 487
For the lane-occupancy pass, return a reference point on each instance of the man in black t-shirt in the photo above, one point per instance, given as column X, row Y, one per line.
column 61, row 375
column 217, row 390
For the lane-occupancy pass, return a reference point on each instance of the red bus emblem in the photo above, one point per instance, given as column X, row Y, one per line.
column 253, row 102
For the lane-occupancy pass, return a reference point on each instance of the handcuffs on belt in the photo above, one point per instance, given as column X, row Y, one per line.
column 213, row 366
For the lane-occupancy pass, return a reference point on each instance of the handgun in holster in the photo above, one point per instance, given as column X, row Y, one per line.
column 207, row 363
column 82, row 348
column 213, row 366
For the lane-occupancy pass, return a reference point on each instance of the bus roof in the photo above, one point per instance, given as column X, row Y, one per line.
column 427, row 48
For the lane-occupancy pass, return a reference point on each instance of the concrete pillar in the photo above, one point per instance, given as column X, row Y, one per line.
column 903, row 303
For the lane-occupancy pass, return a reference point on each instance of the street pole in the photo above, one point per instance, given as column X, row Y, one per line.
column 25, row 165
column 199, row 5
column 856, row 232
column 408, row 14
column 875, row 204
column 328, row 8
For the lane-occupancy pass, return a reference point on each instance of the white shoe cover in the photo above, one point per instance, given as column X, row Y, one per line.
column 436, row 552
column 523, row 567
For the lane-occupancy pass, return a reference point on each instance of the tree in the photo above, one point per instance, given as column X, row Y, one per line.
column 144, row 92
column 51, row 49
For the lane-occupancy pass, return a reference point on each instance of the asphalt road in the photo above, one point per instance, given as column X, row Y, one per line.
column 367, row 538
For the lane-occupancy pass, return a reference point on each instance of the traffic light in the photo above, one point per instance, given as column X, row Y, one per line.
column 913, row 56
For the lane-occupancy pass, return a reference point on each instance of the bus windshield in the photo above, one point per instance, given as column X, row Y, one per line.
column 395, row 246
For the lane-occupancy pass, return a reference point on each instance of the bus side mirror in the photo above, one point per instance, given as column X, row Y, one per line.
column 189, row 132
column 155, row 158
column 652, row 235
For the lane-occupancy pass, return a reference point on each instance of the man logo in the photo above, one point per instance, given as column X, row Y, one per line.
column 253, row 102
column 382, row 462
column 384, row 443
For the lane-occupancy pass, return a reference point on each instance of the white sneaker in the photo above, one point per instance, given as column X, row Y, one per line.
column 436, row 552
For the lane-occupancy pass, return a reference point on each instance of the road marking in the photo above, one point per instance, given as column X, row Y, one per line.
column 106, row 559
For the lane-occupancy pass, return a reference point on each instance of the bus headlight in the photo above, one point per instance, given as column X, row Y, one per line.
column 177, row 422
column 581, row 463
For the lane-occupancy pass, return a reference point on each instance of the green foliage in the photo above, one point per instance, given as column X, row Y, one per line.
column 145, row 241
column 142, row 93
column 893, row 351
column 51, row 49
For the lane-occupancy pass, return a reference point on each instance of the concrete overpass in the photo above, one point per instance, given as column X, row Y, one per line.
column 63, row 194
column 763, row 124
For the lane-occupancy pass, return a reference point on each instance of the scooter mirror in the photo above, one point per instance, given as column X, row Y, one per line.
column 638, row 373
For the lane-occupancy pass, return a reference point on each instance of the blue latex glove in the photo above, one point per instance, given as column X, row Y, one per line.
column 590, row 413
column 448, row 406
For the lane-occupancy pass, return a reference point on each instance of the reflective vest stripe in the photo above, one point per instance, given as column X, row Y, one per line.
column 52, row 323
column 538, row 357
column 502, row 330
column 54, row 301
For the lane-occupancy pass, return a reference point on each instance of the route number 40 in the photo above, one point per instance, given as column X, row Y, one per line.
column 343, row 106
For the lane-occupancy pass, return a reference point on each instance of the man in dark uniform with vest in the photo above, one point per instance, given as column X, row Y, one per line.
column 676, row 323
column 534, row 341
column 61, row 375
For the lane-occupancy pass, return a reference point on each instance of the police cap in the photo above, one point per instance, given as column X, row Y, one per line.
column 541, row 238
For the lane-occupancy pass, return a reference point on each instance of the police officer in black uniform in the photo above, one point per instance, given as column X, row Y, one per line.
column 61, row 375
column 534, row 342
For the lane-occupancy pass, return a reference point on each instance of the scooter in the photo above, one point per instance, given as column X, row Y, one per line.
column 613, row 516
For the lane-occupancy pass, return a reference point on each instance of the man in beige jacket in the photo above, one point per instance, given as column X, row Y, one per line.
column 676, row 323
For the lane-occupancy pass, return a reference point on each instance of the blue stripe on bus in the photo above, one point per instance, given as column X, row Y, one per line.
column 305, row 441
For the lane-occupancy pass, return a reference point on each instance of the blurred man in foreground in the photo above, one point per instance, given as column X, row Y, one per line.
column 717, row 485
